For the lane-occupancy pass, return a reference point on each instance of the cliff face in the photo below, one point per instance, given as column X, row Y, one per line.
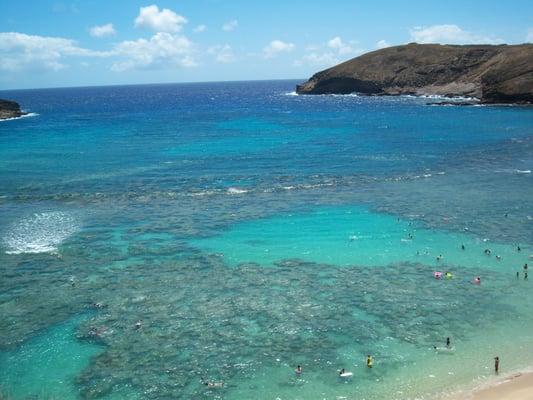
column 10, row 109
column 494, row 74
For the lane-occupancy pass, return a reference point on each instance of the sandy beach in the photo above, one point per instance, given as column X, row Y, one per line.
column 512, row 387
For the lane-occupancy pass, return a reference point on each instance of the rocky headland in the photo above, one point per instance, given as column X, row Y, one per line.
column 492, row 74
column 10, row 109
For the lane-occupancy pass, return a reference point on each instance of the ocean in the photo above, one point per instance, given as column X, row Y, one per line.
column 158, row 238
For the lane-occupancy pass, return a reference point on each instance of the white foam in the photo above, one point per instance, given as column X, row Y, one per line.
column 233, row 190
column 525, row 171
column 40, row 232
column 22, row 116
column 291, row 94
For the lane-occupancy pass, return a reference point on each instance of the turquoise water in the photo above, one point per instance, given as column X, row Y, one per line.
column 249, row 231
column 355, row 236
column 53, row 359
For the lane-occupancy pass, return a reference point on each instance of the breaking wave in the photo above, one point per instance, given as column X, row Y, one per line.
column 40, row 232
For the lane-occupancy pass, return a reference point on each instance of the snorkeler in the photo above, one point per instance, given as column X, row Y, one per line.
column 213, row 384
column 369, row 361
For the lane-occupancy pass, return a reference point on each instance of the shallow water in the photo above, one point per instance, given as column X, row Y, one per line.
column 251, row 231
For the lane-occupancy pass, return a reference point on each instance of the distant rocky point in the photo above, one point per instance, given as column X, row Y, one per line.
column 492, row 74
column 10, row 109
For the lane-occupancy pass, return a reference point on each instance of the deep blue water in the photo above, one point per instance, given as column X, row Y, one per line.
column 107, row 192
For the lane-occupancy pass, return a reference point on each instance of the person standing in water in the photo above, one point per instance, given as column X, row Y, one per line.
column 298, row 370
column 369, row 361
column 496, row 364
column 448, row 342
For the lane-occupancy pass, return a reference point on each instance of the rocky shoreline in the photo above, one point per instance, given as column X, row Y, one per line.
column 492, row 74
column 10, row 109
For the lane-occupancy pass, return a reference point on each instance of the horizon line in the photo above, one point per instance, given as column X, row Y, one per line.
column 151, row 84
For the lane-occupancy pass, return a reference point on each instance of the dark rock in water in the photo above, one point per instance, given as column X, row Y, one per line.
column 10, row 109
column 493, row 74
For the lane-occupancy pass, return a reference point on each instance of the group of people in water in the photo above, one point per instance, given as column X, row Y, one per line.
column 342, row 372
column 477, row 279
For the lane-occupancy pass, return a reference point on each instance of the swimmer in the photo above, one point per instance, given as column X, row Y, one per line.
column 439, row 257
column 498, row 257
column 462, row 247
column 138, row 324
column 518, row 248
column 94, row 331
column 487, row 252
column 369, row 361
column 298, row 370
column 448, row 342
column 214, row 384
column 517, row 274
column 496, row 364
column 525, row 275
column 477, row 281
column 342, row 371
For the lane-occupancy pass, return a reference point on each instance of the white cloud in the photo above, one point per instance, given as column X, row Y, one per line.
column 342, row 48
column 102, row 30
column 223, row 53
column 327, row 59
column 328, row 54
column 230, row 25
column 449, row 34
column 277, row 46
column 19, row 51
column 200, row 28
column 382, row 44
column 529, row 37
column 161, row 50
column 160, row 21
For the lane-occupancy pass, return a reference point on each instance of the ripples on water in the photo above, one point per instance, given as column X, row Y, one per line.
column 104, row 191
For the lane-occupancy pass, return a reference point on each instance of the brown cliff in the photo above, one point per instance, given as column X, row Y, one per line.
column 493, row 74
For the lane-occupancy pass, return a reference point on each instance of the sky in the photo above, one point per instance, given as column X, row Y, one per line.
column 92, row 42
